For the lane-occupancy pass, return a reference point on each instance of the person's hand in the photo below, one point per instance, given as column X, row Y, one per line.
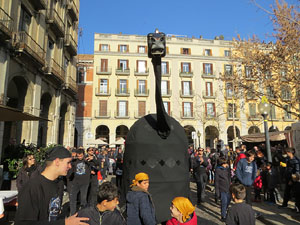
column 74, row 220
column 93, row 172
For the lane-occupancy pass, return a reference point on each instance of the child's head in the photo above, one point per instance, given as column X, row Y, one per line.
column 141, row 180
column 181, row 208
column 250, row 156
column 108, row 196
column 238, row 191
column 268, row 166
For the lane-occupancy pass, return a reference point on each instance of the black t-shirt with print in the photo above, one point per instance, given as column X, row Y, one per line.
column 81, row 172
column 40, row 200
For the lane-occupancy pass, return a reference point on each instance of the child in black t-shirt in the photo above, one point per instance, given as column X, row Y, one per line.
column 105, row 210
column 240, row 212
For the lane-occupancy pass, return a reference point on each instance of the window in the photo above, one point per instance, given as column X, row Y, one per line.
column 142, row 86
column 270, row 92
column 103, row 108
column 252, row 110
column 50, row 49
column 103, row 86
column 141, row 49
column 209, row 88
column 164, row 87
column 186, row 88
column 228, row 70
column 123, row 86
column 207, row 68
column 141, row 66
column 231, row 110
column 210, row 109
column 251, row 91
column 227, row 53
column 229, row 90
column 167, row 107
column 104, row 65
column 286, row 93
column 123, row 64
column 287, row 114
column 207, row 52
column 185, row 67
column 122, row 108
column 186, row 51
column 187, row 109
column 142, row 108
column 104, row 47
column 123, row 48
column 66, row 64
column 80, row 75
column 25, row 20
column 248, row 72
column 164, row 68
column 272, row 112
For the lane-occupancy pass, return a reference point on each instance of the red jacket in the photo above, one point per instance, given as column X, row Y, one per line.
column 192, row 221
column 240, row 156
column 258, row 182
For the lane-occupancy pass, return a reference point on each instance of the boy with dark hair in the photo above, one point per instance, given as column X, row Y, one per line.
column 240, row 213
column 105, row 211
column 41, row 198
column 222, row 185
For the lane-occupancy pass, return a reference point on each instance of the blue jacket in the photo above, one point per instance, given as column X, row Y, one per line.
column 140, row 209
column 246, row 172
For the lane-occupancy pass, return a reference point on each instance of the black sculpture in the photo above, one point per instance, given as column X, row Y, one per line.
column 157, row 145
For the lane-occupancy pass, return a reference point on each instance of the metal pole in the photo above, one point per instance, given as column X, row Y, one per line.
column 267, row 136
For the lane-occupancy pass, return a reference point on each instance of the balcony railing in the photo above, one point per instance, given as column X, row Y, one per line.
column 210, row 116
column 140, row 93
column 122, row 92
column 39, row 4
column 71, row 84
column 141, row 73
column 100, row 92
column 102, row 114
column 254, row 118
column 5, row 25
column 71, row 45
column 208, row 75
column 24, row 42
column 166, row 94
column 191, row 94
column 53, row 18
column 209, row 95
column 120, row 115
column 73, row 9
column 187, row 115
column 121, row 71
column 103, row 70
column 185, row 73
column 166, row 73
column 55, row 69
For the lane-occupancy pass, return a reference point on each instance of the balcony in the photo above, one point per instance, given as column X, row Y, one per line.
column 187, row 115
column 253, row 118
column 210, row 116
column 103, row 70
column 6, row 23
column 191, row 94
column 141, row 93
column 166, row 94
column 73, row 10
column 119, row 115
column 121, row 71
column 99, row 92
column 230, row 117
column 209, row 75
column 71, row 45
column 209, row 95
column 55, row 70
column 166, row 73
column 122, row 92
column 39, row 4
column 23, row 43
column 56, row 23
column 102, row 114
column 186, row 73
column 71, row 85
column 141, row 73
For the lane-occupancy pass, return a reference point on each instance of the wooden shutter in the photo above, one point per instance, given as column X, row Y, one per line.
column 167, row 50
column 118, row 108
column 118, row 48
column 192, row 110
column 99, row 82
column 146, row 86
column 146, row 49
column 107, row 85
column 119, row 64
column 104, row 65
column 189, row 51
column 206, row 109
column 103, row 107
column 167, row 67
column 203, row 68
column 212, row 68
column 181, row 67
column 182, row 109
column 127, row 63
column 127, row 87
column 118, row 85
column 109, row 47
column 168, row 86
column 126, row 108
column 142, row 108
column 181, row 50
column 100, row 47
column 214, row 107
column 190, row 69
column 191, row 87
column 169, row 108
column 182, row 87
column 212, row 88
column 127, row 48
column 206, row 88
column 137, row 65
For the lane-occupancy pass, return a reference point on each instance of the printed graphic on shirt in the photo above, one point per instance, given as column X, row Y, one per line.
column 80, row 168
column 248, row 169
column 54, row 208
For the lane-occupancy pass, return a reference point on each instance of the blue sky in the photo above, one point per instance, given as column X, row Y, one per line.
column 208, row 18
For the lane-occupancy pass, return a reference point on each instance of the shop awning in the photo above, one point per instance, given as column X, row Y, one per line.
column 260, row 137
column 12, row 114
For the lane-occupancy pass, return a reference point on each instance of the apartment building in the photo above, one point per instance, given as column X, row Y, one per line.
column 192, row 89
column 38, row 69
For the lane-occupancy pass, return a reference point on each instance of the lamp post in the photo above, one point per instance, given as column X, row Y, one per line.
column 264, row 109
column 199, row 135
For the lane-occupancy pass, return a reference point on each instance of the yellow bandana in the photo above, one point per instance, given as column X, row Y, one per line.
column 139, row 177
column 184, row 206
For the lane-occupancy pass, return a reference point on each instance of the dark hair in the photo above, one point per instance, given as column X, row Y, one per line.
column 250, row 153
column 25, row 159
column 107, row 191
column 291, row 150
column 238, row 190
column 221, row 161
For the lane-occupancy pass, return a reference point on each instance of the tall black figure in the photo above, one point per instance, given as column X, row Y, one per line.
column 157, row 145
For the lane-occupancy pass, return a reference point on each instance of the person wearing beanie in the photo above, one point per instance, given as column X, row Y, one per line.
column 140, row 208
column 182, row 212
column 40, row 200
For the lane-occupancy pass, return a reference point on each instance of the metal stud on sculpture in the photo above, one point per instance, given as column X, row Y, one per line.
column 157, row 145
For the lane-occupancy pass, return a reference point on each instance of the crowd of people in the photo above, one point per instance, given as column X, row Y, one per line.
column 82, row 173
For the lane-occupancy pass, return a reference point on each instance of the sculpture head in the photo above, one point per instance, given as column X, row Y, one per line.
column 156, row 44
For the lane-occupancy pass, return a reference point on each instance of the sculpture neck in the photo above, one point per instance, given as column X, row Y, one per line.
column 162, row 123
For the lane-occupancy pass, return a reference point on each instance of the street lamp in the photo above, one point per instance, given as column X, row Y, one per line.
column 199, row 135
column 264, row 109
